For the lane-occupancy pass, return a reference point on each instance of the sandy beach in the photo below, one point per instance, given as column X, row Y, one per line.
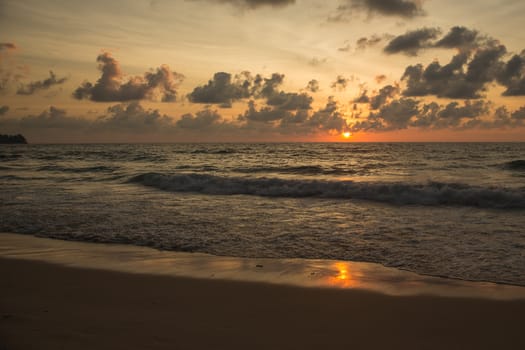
column 51, row 306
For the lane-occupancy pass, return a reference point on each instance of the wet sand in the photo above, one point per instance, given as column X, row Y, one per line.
column 51, row 306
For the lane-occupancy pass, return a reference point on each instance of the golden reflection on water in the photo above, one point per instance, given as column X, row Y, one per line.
column 344, row 278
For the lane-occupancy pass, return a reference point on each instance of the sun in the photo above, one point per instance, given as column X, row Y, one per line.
column 347, row 134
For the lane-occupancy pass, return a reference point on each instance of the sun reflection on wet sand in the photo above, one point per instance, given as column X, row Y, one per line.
column 345, row 277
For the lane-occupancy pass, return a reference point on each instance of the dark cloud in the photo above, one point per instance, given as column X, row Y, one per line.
column 257, row 3
column 364, row 42
column 35, row 86
column 222, row 90
column 412, row 42
column 290, row 101
column 114, row 86
column 328, row 119
column 452, row 115
column 399, row 8
column 264, row 115
column 52, row 118
column 363, row 97
column 341, row 83
column 466, row 76
column 4, row 110
column 410, row 113
column 312, row 86
column 383, row 95
column 202, row 120
column 459, row 38
column 133, row 117
column 512, row 75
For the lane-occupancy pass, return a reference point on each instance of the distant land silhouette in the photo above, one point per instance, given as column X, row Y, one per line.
column 5, row 139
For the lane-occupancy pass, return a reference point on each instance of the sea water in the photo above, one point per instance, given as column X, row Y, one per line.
column 445, row 209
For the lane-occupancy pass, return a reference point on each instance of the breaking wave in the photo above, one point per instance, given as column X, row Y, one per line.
column 429, row 194
column 515, row 165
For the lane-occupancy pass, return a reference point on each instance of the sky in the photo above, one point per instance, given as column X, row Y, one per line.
column 262, row 70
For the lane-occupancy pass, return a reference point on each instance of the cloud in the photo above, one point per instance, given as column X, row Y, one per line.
column 52, row 118
column 263, row 115
column 312, row 86
column 380, row 78
column 412, row 41
column 345, row 48
column 384, row 94
column 459, row 38
column 512, row 75
column 328, row 119
column 406, row 113
column 133, row 117
column 364, row 42
column 396, row 8
column 222, row 90
column 257, row 3
column 202, row 120
column 4, row 110
column 316, row 62
column 340, row 83
column 113, row 86
column 464, row 77
column 35, row 86
column 289, row 100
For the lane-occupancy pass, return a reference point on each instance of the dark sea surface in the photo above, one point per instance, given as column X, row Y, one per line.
column 445, row 209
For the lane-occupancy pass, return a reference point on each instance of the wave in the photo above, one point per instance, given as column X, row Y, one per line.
column 429, row 194
column 91, row 169
column 515, row 165
column 298, row 170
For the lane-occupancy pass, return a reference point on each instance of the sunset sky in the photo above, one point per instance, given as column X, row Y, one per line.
column 262, row 70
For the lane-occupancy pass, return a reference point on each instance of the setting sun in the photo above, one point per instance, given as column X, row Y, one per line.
column 347, row 134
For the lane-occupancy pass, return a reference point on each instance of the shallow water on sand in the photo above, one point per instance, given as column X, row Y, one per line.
column 453, row 210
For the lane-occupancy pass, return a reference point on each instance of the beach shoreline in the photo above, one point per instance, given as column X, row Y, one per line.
column 47, row 305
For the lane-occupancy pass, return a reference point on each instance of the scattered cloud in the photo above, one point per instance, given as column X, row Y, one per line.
column 364, row 42
column 346, row 48
column 35, row 86
column 412, row 42
column 315, row 62
column 406, row 113
column 202, row 120
column 312, row 86
column 341, row 83
column 160, row 84
column 380, row 78
column 222, row 90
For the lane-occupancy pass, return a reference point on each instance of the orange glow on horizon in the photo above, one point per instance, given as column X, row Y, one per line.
column 347, row 134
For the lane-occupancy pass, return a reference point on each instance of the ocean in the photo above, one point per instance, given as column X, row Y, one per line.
column 455, row 210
